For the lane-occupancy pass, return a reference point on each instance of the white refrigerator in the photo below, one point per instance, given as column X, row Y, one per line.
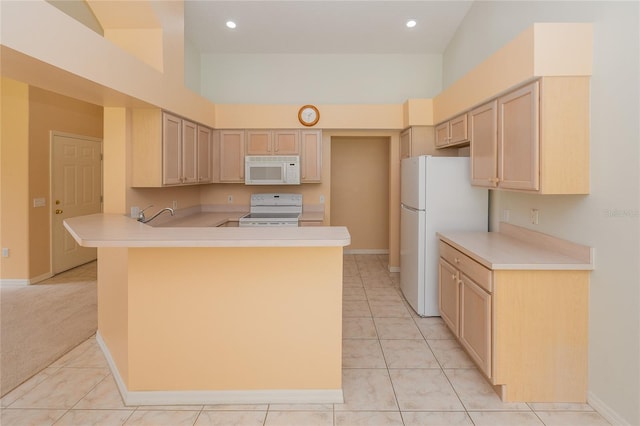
column 436, row 195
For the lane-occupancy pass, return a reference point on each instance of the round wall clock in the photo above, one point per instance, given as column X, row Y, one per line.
column 308, row 115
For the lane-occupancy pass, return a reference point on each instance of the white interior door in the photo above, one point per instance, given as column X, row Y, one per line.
column 76, row 190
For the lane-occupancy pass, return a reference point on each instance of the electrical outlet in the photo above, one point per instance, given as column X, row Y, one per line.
column 5, row 252
column 506, row 213
column 535, row 216
column 229, row 199
column 174, row 204
column 322, row 199
column 135, row 211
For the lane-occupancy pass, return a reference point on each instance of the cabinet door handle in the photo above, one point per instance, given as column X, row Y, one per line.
column 453, row 277
column 456, row 260
column 58, row 211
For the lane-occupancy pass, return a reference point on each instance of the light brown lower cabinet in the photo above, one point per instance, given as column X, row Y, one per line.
column 449, row 295
column 475, row 323
column 525, row 329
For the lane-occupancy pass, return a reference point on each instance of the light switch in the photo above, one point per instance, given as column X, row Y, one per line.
column 39, row 202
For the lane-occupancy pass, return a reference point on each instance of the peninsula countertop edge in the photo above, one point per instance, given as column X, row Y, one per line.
column 115, row 230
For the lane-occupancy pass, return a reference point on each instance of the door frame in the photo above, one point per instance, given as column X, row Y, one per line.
column 392, row 155
column 52, row 135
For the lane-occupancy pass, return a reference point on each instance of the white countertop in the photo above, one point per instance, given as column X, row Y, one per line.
column 113, row 230
column 505, row 250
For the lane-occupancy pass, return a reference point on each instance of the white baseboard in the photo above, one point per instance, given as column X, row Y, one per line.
column 24, row 282
column 278, row 396
column 605, row 411
column 269, row 396
column 13, row 283
column 366, row 251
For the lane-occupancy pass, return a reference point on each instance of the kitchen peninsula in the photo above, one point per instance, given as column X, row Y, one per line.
column 204, row 315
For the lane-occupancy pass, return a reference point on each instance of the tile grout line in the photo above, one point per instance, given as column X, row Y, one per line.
column 395, row 394
column 359, row 266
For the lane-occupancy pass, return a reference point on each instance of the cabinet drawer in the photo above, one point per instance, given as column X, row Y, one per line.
column 468, row 266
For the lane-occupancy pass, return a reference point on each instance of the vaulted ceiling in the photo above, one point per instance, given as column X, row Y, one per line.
column 318, row 27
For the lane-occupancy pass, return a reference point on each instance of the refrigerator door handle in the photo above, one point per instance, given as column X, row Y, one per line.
column 412, row 209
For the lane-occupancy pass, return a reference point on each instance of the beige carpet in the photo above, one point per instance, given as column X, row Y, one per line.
column 39, row 323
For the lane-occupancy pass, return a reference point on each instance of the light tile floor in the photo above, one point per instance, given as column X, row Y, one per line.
column 398, row 369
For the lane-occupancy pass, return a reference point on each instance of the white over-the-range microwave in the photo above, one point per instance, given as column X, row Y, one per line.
column 272, row 170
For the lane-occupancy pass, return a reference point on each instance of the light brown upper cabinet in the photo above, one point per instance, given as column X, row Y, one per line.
column 259, row 142
column 405, row 144
column 416, row 140
column 231, row 156
column 311, row 156
column 286, row 142
column 541, row 138
column 188, row 153
column 518, row 139
column 171, row 152
column 166, row 150
column 235, row 144
column 483, row 133
column 452, row 132
column 205, row 157
column 273, row 142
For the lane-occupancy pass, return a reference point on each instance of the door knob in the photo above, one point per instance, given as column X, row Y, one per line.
column 58, row 211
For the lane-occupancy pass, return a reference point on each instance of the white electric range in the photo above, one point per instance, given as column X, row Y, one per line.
column 273, row 210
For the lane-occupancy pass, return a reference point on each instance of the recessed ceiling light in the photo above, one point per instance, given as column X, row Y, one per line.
column 411, row 23
column 231, row 24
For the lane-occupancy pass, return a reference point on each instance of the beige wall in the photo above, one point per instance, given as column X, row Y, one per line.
column 26, row 170
column 59, row 69
column 606, row 219
column 113, row 304
column 342, row 116
column 184, row 196
column 540, row 50
column 50, row 112
column 154, row 319
column 360, row 190
column 14, row 179
column 87, row 66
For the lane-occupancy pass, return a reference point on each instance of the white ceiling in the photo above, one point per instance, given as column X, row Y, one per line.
column 319, row 27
